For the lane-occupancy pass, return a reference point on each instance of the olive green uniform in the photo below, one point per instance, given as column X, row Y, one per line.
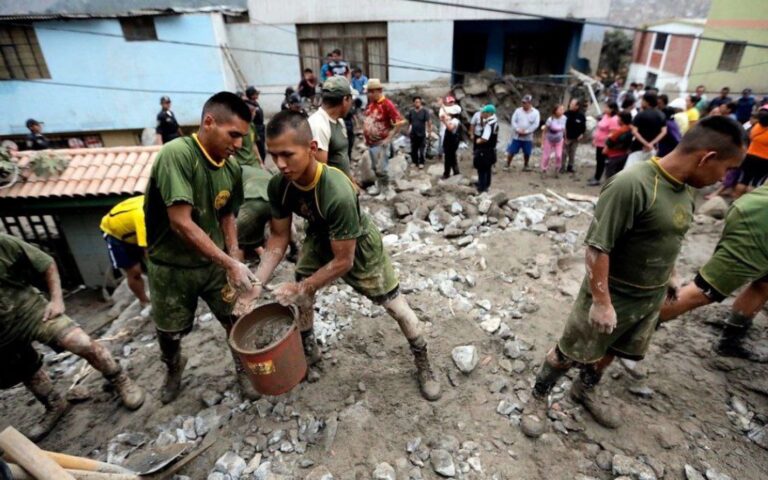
column 741, row 255
column 22, row 307
column 255, row 211
column 640, row 221
column 178, row 274
column 332, row 211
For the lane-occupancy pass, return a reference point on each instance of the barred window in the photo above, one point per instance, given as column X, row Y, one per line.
column 20, row 55
column 730, row 58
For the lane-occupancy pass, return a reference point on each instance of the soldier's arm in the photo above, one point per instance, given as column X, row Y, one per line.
column 343, row 260
column 229, row 228
column 689, row 297
column 56, row 306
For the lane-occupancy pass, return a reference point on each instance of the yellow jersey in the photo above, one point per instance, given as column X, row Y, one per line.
column 126, row 222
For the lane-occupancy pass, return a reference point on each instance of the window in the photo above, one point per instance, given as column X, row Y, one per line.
column 136, row 29
column 661, row 41
column 730, row 58
column 650, row 79
column 20, row 55
column 362, row 45
column 237, row 18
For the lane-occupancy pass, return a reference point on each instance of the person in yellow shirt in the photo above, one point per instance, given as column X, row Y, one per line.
column 691, row 111
column 126, row 237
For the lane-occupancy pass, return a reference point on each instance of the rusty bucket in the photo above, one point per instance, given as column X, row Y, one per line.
column 279, row 366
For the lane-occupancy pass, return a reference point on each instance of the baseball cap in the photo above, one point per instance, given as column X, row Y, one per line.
column 527, row 99
column 336, row 87
column 32, row 121
column 489, row 109
column 165, row 98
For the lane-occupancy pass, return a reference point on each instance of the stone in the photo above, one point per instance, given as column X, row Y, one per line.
column 439, row 218
column 413, row 445
column 533, row 427
column 555, row 224
column 668, row 436
column 402, row 210
column 464, row 241
column 604, row 460
column 715, row 207
column 507, row 408
column 624, row 465
column 491, row 324
column 642, row 391
column 474, row 464
column 447, row 289
column 512, row 349
column 211, row 418
column 519, row 366
column 712, row 474
column 217, row 476
column 484, row 304
column 465, row 357
column 421, row 212
column 442, row 463
column 453, row 231
column 500, row 198
column 533, row 272
column 456, row 208
column 253, row 464
column 692, row 474
column 211, row 397
column 759, row 435
column 230, row 463
column 485, row 205
column 384, row 471
column 319, row 473
column 264, row 472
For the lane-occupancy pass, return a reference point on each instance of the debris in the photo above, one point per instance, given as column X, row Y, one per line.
column 442, row 463
column 465, row 357
column 384, row 471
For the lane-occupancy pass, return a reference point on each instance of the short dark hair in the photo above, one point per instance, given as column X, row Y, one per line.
column 762, row 118
column 417, row 97
column 720, row 133
column 664, row 98
column 613, row 107
column 336, row 51
column 308, row 70
column 731, row 106
column 629, row 102
column 695, row 99
column 700, row 86
column 357, row 70
column 334, row 101
column 626, row 118
column 290, row 120
column 225, row 104
column 725, row 88
column 651, row 99
column 633, row 84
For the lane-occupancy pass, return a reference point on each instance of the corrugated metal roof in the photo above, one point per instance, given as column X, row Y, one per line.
column 91, row 172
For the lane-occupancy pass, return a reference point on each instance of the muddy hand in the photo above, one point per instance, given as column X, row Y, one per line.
column 54, row 309
column 602, row 317
column 240, row 277
column 288, row 293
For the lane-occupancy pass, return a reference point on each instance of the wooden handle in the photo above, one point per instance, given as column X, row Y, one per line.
column 21, row 474
column 30, row 457
column 81, row 463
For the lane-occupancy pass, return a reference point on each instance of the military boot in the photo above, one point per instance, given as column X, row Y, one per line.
column 731, row 342
column 55, row 405
column 601, row 411
column 131, row 394
column 534, row 421
column 429, row 386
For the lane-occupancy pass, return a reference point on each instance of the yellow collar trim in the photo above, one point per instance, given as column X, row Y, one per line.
column 207, row 156
column 666, row 174
column 318, row 174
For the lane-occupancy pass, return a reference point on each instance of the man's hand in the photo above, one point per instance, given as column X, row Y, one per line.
column 673, row 287
column 240, row 277
column 54, row 309
column 288, row 293
column 237, row 254
column 602, row 317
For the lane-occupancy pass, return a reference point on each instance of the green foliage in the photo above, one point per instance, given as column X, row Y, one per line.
column 46, row 165
column 616, row 52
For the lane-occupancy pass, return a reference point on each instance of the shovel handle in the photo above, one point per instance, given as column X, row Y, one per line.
column 21, row 474
column 86, row 464
column 30, row 457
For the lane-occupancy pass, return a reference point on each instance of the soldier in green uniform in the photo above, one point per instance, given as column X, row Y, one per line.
column 328, row 127
column 639, row 224
column 255, row 211
column 194, row 191
column 341, row 242
column 740, row 258
column 26, row 316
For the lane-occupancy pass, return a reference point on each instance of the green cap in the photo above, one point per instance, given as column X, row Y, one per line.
column 336, row 87
column 489, row 109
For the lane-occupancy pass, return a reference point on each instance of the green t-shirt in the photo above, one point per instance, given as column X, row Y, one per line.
column 640, row 220
column 245, row 155
column 182, row 173
column 21, row 264
column 330, row 205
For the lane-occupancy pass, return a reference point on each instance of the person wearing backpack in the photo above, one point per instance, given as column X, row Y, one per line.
column 485, row 148
column 451, row 141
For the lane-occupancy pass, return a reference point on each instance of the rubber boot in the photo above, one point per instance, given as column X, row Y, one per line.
column 175, row 362
column 311, row 349
column 731, row 342
column 131, row 394
column 534, row 421
column 246, row 387
column 429, row 386
column 583, row 393
column 55, row 404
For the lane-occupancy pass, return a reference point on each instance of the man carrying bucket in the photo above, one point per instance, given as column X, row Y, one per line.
column 341, row 242
column 194, row 190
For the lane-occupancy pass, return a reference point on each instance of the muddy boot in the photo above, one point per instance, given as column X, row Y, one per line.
column 311, row 349
column 55, row 405
column 175, row 362
column 246, row 387
column 584, row 394
column 131, row 394
column 534, row 421
column 731, row 342
column 429, row 386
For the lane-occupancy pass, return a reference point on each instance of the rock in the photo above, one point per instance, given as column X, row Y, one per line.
column 556, row 224
column 491, row 324
column 474, row 464
column 402, row 210
column 668, row 436
column 384, row 471
column 319, row 473
column 413, row 445
column 264, row 472
column 447, row 289
column 759, row 435
column 230, row 463
column 604, row 460
column 512, row 349
column 253, row 464
column 439, row 218
column 217, row 476
column 642, row 391
column 715, row 207
column 533, row 272
column 624, row 465
column 484, row 304
column 456, row 208
column 453, row 231
column 421, row 212
column 442, row 463
column 465, row 357
column 533, row 427
column 715, row 475
column 507, row 408
column 211, row 418
column 519, row 366
column 485, row 205
column 464, row 241
column 692, row 474
column 500, row 198
column 211, row 397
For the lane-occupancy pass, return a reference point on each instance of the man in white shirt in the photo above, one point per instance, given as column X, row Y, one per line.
column 525, row 121
column 327, row 124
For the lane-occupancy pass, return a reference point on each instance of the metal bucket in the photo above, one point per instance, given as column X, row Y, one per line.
column 278, row 367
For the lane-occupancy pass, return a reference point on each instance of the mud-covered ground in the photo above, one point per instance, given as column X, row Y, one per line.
column 692, row 408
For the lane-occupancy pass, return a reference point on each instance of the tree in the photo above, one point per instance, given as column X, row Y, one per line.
column 616, row 52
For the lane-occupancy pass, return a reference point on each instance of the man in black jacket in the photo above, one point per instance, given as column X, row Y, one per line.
column 575, row 125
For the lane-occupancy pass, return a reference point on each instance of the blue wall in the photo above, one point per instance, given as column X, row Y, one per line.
column 112, row 61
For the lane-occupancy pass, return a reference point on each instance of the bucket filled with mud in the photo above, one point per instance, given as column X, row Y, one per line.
column 268, row 343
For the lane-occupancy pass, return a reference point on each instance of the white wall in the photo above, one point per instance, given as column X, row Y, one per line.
column 407, row 43
column 669, row 83
column 220, row 33
column 332, row 11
